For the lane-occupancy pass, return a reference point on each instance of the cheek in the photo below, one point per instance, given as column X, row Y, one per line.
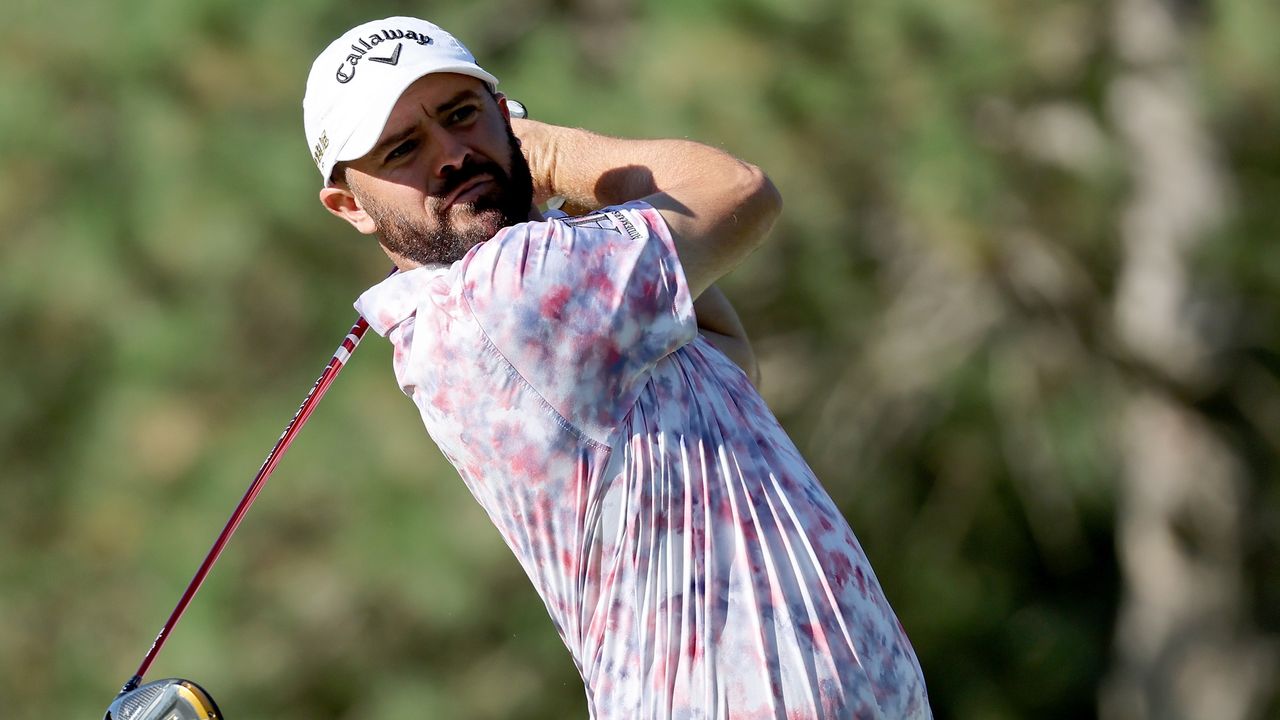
column 495, row 143
column 403, row 197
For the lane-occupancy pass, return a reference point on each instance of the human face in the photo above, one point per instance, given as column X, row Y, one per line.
column 445, row 174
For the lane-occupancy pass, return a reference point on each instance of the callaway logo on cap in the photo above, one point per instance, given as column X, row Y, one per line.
column 356, row 81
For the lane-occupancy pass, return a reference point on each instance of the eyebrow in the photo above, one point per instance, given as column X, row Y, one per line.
column 392, row 141
column 440, row 109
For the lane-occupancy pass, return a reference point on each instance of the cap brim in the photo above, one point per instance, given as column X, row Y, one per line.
column 378, row 109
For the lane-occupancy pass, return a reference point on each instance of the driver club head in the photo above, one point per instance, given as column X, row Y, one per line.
column 169, row 699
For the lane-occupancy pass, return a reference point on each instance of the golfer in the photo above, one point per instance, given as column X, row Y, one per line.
column 576, row 371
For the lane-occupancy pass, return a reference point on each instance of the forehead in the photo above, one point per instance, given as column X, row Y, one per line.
column 431, row 94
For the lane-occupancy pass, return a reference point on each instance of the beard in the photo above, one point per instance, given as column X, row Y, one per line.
column 436, row 238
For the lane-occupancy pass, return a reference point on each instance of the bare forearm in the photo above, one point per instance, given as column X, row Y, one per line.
column 719, row 323
column 716, row 207
column 591, row 171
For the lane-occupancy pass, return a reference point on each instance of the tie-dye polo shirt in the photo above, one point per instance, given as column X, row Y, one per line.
column 691, row 561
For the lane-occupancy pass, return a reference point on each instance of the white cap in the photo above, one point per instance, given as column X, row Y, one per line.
column 356, row 81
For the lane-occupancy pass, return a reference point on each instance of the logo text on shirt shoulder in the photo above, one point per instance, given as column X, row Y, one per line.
column 622, row 220
column 595, row 221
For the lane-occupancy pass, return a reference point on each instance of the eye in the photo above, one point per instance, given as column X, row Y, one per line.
column 462, row 114
column 400, row 150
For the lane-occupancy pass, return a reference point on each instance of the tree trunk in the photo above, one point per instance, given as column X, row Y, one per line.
column 1183, row 647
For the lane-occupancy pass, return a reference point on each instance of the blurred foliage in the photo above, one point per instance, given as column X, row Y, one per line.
column 933, row 317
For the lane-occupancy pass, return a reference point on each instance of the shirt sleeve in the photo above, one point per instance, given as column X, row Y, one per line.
column 583, row 308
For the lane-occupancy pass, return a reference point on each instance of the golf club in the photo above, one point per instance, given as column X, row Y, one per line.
column 178, row 699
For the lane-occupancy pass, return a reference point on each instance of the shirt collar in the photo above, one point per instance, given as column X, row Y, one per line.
column 396, row 298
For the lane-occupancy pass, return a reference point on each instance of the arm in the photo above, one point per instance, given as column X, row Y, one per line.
column 719, row 324
column 717, row 207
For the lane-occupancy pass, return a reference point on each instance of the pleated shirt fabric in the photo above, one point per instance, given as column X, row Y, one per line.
column 691, row 561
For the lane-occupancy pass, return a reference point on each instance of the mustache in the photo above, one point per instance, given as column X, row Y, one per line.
column 469, row 169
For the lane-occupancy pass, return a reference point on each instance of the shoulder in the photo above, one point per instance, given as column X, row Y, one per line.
column 636, row 220
column 561, row 243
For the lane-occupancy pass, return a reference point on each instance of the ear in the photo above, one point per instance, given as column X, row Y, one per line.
column 502, row 105
column 340, row 201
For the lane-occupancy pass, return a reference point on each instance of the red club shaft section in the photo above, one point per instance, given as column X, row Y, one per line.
column 336, row 363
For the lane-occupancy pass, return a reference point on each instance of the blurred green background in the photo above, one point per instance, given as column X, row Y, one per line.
column 1021, row 314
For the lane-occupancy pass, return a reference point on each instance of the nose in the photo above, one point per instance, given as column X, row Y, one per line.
column 451, row 153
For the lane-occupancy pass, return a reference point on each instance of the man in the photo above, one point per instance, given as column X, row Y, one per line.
column 575, row 371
